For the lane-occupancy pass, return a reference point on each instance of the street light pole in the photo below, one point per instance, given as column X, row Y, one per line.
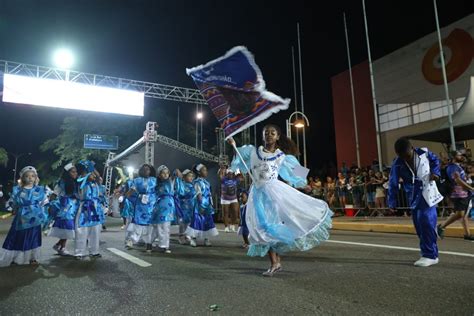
column 17, row 156
column 299, row 125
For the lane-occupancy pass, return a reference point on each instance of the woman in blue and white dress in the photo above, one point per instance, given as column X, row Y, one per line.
column 23, row 242
column 187, row 195
column 202, row 225
column 65, row 208
column 143, row 196
column 279, row 217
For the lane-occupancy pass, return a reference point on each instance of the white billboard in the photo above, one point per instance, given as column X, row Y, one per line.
column 71, row 95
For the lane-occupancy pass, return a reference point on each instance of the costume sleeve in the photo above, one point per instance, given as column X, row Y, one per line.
column 434, row 163
column 179, row 186
column 238, row 163
column 393, row 186
column 287, row 173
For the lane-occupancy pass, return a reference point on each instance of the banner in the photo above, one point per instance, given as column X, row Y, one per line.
column 233, row 87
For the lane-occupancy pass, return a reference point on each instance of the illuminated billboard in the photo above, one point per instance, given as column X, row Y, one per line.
column 71, row 95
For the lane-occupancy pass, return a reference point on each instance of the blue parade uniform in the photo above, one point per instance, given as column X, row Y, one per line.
column 188, row 199
column 103, row 203
column 64, row 210
column 202, row 224
column 424, row 216
column 128, row 201
column 165, row 207
column 143, row 201
column 280, row 218
column 23, row 240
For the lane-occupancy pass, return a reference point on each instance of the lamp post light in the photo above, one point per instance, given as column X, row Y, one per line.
column 299, row 123
column 199, row 118
column 63, row 58
column 17, row 156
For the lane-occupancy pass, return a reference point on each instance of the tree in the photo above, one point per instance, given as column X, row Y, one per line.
column 68, row 145
column 3, row 157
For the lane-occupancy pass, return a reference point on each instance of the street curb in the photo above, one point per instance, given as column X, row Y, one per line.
column 5, row 216
column 392, row 228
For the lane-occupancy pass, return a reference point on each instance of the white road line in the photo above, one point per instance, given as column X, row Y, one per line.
column 130, row 258
column 460, row 254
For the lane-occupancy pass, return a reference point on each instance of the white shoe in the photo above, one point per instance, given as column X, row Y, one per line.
column 232, row 228
column 226, row 229
column 129, row 244
column 64, row 252
column 426, row 262
column 207, row 243
column 123, row 227
column 192, row 242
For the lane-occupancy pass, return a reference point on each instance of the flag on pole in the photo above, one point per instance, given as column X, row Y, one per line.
column 233, row 87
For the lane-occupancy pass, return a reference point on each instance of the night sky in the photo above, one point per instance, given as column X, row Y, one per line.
column 156, row 40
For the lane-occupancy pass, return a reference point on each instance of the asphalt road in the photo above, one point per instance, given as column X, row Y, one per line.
column 333, row 279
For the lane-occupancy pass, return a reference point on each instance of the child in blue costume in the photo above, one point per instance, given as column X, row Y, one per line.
column 126, row 210
column 143, row 196
column 243, row 229
column 202, row 224
column 165, row 208
column 65, row 208
column 88, row 219
column 187, row 195
column 279, row 217
column 23, row 242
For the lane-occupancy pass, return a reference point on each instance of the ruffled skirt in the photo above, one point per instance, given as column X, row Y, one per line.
column 21, row 246
column 282, row 219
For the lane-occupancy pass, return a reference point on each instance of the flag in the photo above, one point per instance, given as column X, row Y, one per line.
column 233, row 87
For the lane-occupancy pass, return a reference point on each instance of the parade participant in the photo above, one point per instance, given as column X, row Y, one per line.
column 142, row 193
column 23, row 242
column 165, row 210
column 65, row 208
column 202, row 225
column 88, row 221
column 187, row 195
column 460, row 195
column 243, row 229
column 229, row 202
column 279, row 217
column 129, row 199
column 418, row 168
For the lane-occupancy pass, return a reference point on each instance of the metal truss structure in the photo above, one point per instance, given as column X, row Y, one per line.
column 108, row 175
column 187, row 149
column 151, row 90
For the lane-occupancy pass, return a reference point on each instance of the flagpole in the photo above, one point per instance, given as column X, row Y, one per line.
column 302, row 98
column 354, row 115
column 243, row 161
column 374, row 100
column 296, row 98
column 445, row 80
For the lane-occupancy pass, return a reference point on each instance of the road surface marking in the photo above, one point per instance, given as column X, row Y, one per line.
column 131, row 258
column 460, row 254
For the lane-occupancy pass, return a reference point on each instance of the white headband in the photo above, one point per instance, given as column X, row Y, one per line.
column 161, row 168
column 69, row 166
column 199, row 167
column 26, row 169
column 187, row 171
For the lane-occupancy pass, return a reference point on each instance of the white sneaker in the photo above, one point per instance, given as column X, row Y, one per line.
column 192, row 242
column 426, row 262
column 226, row 229
column 64, row 252
column 232, row 228
column 123, row 227
column 129, row 244
column 207, row 243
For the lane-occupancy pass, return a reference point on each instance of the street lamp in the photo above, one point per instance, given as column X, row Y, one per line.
column 63, row 58
column 299, row 123
column 17, row 156
column 199, row 118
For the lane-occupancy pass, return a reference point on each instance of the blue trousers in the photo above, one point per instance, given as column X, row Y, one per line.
column 425, row 225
